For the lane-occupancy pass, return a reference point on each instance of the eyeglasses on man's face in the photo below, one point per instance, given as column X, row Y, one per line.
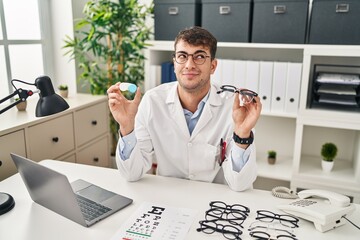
column 245, row 95
column 198, row 58
column 227, row 230
column 284, row 219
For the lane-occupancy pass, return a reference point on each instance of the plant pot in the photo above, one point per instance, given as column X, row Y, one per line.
column 271, row 160
column 327, row 165
column 21, row 106
column 64, row 93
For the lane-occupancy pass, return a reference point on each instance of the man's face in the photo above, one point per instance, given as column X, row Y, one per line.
column 193, row 77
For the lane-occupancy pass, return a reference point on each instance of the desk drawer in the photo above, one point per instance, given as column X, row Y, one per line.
column 51, row 139
column 10, row 143
column 91, row 122
column 96, row 154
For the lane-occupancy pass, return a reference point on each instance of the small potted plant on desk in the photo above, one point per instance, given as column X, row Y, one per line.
column 328, row 154
column 63, row 88
column 271, row 157
column 21, row 106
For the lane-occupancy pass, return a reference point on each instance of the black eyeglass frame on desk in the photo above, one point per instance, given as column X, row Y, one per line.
column 227, row 230
column 284, row 219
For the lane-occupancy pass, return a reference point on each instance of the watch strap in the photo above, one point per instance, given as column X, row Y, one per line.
column 240, row 140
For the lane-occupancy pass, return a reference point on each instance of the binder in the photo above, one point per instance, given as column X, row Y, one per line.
column 167, row 72
column 265, row 84
column 293, row 87
column 155, row 77
column 252, row 75
column 239, row 73
column 279, row 87
column 216, row 77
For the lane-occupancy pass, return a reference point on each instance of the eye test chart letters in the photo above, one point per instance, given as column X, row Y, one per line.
column 156, row 222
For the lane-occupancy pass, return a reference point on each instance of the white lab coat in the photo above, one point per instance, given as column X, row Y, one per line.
column 163, row 137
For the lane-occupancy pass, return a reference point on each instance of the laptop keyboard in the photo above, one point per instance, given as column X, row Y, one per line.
column 91, row 209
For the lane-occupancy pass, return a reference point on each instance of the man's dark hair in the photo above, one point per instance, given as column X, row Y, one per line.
column 198, row 36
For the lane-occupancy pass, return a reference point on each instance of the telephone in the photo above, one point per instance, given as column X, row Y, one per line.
column 324, row 208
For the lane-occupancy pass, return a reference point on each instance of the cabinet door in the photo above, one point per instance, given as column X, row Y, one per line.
column 10, row 143
column 96, row 154
column 51, row 139
column 91, row 122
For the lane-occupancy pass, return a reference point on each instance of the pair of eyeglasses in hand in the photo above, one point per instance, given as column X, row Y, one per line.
column 246, row 96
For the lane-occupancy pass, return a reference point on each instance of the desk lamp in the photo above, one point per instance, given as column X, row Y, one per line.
column 48, row 104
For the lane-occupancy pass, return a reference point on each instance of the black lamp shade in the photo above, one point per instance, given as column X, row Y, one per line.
column 49, row 102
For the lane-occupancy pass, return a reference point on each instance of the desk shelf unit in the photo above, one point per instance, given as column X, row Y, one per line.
column 297, row 137
column 82, row 133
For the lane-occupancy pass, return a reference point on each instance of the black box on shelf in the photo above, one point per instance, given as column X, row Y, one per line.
column 280, row 21
column 173, row 16
column 336, row 90
column 335, row 22
column 227, row 20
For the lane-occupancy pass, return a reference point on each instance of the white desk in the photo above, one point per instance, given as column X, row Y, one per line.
column 29, row 220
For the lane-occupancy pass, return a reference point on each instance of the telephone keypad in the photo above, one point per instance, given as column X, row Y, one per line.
column 303, row 203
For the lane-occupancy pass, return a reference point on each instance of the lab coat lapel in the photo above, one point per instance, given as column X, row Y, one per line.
column 176, row 110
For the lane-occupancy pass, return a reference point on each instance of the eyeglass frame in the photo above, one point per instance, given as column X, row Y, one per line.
column 230, row 207
column 219, row 230
column 276, row 216
column 234, row 220
column 192, row 56
column 268, row 226
column 243, row 91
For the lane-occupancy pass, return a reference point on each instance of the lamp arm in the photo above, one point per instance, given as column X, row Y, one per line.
column 23, row 95
column 8, row 97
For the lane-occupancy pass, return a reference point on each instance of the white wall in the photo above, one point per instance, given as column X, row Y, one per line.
column 62, row 25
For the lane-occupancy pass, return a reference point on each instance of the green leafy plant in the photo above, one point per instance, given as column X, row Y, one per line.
column 271, row 154
column 329, row 151
column 63, row 87
column 108, row 45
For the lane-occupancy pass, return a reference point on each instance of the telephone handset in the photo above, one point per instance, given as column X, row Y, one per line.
column 322, row 207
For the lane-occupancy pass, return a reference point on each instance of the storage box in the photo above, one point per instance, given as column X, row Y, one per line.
column 173, row 16
column 335, row 22
column 227, row 20
column 280, row 21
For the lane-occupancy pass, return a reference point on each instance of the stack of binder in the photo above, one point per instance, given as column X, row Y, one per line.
column 339, row 91
column 167, row 72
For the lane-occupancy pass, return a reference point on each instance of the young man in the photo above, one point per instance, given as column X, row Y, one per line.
column 183, row 125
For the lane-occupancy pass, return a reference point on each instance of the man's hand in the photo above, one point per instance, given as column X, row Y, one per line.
column 245, row 117
column 122, row 109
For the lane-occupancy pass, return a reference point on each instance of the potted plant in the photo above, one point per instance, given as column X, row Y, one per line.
column 271, row 157
column 108, row 46
column 21, row 106
column 328, row 154
column 63, row 88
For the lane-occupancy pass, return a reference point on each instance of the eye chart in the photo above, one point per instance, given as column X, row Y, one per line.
column 156, row 222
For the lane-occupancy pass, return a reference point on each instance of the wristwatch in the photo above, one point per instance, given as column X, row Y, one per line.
column 240, row 140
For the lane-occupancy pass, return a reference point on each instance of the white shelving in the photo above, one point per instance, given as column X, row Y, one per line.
column 296, row 137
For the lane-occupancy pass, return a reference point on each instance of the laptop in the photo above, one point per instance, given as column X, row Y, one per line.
column 80, row 201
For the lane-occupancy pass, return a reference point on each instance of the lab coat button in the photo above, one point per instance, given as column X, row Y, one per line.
column 191, row 176
column 189, row 144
